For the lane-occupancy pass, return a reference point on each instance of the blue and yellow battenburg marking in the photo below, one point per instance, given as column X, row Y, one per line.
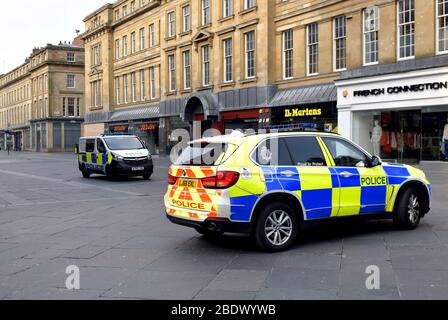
column 324, row 192
column 95, row 158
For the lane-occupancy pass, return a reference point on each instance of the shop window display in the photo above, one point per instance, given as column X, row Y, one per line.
column 406, row 136
column 435, row 136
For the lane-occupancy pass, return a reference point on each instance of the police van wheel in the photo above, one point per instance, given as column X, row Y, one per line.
column 85, row 172
column 276, row 227
column 408, row 211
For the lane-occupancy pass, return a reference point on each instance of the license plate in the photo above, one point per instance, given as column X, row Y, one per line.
column 138, row 168
column 187, row 183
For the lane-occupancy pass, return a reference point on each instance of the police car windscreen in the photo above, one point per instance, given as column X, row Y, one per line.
column 123, row 143
column 202, row 154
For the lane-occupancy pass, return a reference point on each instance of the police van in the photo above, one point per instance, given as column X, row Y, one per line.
column 269, row 185
column 114, row 155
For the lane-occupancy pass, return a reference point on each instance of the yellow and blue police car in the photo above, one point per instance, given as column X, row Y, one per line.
column 269, row 185
column 114, row 155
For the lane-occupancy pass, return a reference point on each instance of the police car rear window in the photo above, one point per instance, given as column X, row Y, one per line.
column 203, row 154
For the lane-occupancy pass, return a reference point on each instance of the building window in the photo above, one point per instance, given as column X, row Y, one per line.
column 133, row 87
column 249, row 4
column 312, row 48
column 205, row 65
column 142, row 39
column 249, row 54
column 117, row 49
column 442, row 26
column 142, row 85
column 205, row 12
column 406, row 29
column 78, row 107
column 96, row 55
column 340, row 43
column 71, row 81
column 187, row 69
column 171, row 24
column 186, row 14
column 133, row 43
column 152, row 83
column 371, row 28
column 228, row 60
column 151, row 36
column 124, row 11
column 288, row 48
column 171, row 73
column 71, row 57
column 142, row 3
column 96, row 93
column 125, row 46
column 70, row 107
column 125, row 88
column 117, row 15
column 132, row 6
column 227, row 8
column 117, row 90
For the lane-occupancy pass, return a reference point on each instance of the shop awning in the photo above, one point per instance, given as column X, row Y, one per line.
column 135, row 114
column 305, row 95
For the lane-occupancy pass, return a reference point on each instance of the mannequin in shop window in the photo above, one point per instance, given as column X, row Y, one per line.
column 377, row 132
column 445, row 140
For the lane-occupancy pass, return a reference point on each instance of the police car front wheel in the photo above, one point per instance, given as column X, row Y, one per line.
column 276, row 227
column 408, row 211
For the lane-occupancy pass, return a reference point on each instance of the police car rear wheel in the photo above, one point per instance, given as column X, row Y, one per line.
column 407, row 214
column 276, row 228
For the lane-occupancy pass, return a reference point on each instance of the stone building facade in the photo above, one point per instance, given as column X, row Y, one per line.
column 154, row 66
column 42, row 100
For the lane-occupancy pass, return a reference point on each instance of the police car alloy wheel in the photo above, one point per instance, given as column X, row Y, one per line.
column 407, row 214
column 276, row 227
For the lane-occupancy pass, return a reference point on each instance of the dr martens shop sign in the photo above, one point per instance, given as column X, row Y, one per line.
column 401, row 89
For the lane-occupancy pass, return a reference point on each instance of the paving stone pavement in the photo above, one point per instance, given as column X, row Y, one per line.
column 117, row 234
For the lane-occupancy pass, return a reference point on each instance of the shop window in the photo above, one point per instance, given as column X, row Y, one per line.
column 344, row 153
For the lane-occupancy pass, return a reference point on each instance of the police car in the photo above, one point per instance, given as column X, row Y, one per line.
column 269, row 185
column 114, row 155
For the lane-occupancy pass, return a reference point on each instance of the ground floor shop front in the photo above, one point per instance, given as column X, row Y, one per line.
column 49, row 135
column 205, row 113
column 401, row 117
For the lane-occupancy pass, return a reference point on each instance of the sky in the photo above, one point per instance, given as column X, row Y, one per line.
column 27, row 24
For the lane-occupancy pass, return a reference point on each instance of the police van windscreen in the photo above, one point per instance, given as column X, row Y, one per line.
column 124, row 143
column 203, row 154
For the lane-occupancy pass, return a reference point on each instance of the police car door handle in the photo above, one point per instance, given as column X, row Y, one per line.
column 346, row 174
column 288, row 174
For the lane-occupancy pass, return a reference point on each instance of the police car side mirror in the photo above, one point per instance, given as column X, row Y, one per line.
column 76, row 149
column 376, row 161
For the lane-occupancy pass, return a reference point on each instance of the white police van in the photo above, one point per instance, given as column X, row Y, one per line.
column 114, row 155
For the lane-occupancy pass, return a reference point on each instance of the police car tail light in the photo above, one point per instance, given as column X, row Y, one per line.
column 172, row 179
column 222, row 180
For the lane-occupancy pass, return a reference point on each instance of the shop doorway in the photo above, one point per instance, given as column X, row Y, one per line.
column 435, row 136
